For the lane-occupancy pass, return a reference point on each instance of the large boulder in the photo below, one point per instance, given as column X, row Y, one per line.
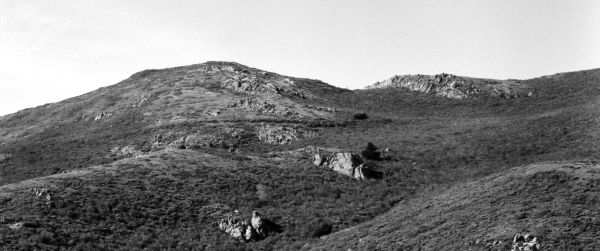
column 255, row 229
column 349, row 164
column 237, row 228
column 525, row 242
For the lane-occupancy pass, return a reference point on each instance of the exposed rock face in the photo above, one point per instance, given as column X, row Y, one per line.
column 525, row 242
column 349, row 164
column 456, row 87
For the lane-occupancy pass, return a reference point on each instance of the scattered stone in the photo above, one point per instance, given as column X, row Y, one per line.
column 525, row 242
column 349, row 164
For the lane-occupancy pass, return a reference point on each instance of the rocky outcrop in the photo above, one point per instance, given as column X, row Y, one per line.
column 262, row 107
column 525, row 242
column 126, row 151
column 246, row 230
column 456, row 87
column 349, row 164
column 251, row 81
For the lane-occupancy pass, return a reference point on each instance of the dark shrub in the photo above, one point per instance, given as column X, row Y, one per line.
column 316, row 229
column 323, row 229
column 360, row 116
column 371, row 152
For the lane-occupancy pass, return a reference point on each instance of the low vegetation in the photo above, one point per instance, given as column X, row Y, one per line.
column 163, row 199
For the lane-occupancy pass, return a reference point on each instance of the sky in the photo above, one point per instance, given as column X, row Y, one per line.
column 53, row 50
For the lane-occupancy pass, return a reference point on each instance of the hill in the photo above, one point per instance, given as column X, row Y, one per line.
column 215, row 104
column 163, row 155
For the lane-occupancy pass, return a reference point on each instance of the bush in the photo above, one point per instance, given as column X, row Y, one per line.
column 371, row 152
column 360, row 116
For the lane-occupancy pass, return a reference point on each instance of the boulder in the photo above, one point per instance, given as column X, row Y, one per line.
column 525, row 242
column 245, row 230
column 16, row 226
column 349, row 164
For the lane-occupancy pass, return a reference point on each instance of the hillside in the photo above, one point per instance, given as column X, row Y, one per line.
column 557, row 202
column 157, row 160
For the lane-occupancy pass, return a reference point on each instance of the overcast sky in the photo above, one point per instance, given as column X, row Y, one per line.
column 52, row 50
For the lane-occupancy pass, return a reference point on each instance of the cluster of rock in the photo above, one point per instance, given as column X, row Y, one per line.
column 349, row 164
column 451, row 86
column 246, row 230
column 525, row 242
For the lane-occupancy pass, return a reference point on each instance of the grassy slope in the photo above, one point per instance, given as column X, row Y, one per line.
column 167, row 200
column 558, row 202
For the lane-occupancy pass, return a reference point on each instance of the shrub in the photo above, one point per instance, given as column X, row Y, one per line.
column 371, row 152
column 360, row 116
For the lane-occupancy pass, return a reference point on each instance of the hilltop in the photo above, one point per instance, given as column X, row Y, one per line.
column 458, row 87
